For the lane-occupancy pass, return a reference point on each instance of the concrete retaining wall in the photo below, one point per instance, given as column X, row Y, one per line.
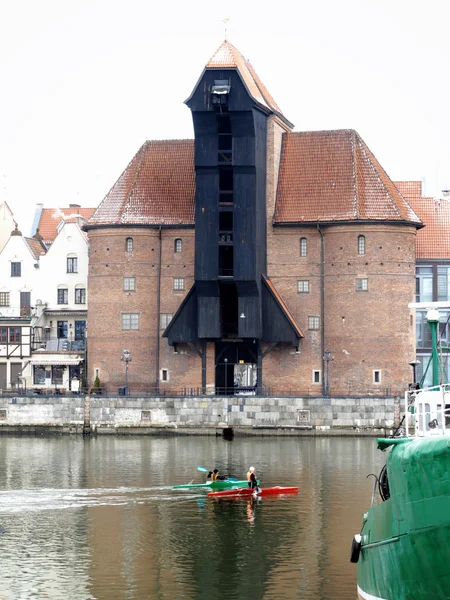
column 205, row 415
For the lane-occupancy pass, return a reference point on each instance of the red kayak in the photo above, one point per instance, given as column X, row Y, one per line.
column 247, row 492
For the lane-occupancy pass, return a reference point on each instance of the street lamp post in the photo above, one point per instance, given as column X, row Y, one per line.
column 225, row 360
column 126, row 358
column 327, row 357
column 414, row 364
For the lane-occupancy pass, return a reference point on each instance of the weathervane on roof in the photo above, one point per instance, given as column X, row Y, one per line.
column 225, row 21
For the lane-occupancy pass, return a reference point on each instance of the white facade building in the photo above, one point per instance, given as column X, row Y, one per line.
column 50, row 289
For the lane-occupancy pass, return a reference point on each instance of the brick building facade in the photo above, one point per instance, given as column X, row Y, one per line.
column 252, row 258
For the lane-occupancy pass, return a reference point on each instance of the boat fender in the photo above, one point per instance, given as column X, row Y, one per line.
column 356, row 548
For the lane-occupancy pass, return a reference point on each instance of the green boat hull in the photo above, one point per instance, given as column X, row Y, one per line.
column 212, row 485
column 405, row 540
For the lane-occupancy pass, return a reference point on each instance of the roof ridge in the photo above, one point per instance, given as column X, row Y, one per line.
column 357, row 211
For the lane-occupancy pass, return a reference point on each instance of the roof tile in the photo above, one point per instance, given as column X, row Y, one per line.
column 333, row 176
column 157, row 187
column 52, row 217
column 229, row 57
column 433, row 241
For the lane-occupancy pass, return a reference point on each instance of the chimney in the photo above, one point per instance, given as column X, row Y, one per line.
column 74, row 205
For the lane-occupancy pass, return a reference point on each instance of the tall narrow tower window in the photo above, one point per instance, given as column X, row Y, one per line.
column 178, row 245
column 303, row 246
column 361, row 244
column 129, row 244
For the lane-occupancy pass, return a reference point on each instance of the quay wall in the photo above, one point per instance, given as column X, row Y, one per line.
column 246, row 415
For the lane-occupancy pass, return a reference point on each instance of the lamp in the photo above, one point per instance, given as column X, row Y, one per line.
column 126, row 358
column 242, row 316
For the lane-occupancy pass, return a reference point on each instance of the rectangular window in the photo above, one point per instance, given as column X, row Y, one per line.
column 72, row 264
column 4, row 298
column 164, row 375
column 3, row 335
column 15, row 334
column 178, row 283
column 130, row 320
column 129, row 284
column 362, row 285
column 63, row 296
column 377, row 376
column 316, row 377
column 61, row 329
column 424, row 284
column 313, row 322
column 57, row 375
column 38, row 375
column 165, row 320
column 80, row 296
column 443, row 274
column 16, row 269
column 302, row 286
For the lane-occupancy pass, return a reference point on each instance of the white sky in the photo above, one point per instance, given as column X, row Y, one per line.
column 84, row 83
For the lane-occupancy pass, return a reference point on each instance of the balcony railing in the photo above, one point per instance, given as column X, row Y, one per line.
column 60, row 345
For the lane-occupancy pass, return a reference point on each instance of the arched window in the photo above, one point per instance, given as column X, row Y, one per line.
column 178, row 245
column 303, row 246
column 361, row 244
column 72, row 263
column 129, row 244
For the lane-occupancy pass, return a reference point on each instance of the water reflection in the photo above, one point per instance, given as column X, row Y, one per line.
column 85, row 519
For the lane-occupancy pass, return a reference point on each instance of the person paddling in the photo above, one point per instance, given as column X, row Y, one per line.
column 252, row 479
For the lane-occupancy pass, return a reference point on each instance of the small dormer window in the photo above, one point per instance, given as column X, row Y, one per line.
column 220, row 91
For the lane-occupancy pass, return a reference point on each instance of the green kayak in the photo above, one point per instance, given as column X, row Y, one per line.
column 214, row 485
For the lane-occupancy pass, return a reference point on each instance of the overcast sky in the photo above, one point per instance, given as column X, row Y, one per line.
column 84, row 83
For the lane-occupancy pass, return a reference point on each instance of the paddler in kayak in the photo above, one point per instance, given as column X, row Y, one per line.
column 252, row 479
column 214, row 476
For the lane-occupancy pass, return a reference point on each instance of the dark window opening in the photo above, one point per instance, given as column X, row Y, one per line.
column 226, row 261
column 226, row 227
column 225, row 185
column 62, row 329
column 228, row 311
column 223, row 123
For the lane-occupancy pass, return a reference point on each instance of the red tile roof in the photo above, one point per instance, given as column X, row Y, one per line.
column 157, row 188
column 36, row 247
column 52, row 217
column 332, row 176
column 229, row 57
column 433, row 241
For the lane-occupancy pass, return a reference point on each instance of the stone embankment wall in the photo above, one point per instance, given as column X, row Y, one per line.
column 245, row 415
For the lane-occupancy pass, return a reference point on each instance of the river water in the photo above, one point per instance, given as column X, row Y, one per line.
column 84, row 519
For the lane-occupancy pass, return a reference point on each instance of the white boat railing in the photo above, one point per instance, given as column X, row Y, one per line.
column 428, row 411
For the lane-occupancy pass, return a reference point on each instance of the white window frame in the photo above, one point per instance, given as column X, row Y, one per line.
column 362, row 284
column 312, row 320
column 303, row 247
column 303, row 283
column 164, row 375
column 178, row 284
column 126, row 284
column 314, row 372
column 164, row 320
column 130, row 321
column 129, row 244
column 374, row 378
column 178, row 246
column 361, row 245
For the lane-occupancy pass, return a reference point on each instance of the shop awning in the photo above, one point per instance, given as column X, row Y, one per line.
column 56, row 362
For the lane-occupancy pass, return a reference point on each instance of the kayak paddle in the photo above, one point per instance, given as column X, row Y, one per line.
column 203, row 469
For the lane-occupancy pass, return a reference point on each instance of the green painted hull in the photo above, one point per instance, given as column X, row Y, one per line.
column 212, row 485
column 405, row 545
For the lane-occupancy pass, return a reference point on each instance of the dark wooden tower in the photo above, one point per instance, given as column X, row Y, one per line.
column 232, row 302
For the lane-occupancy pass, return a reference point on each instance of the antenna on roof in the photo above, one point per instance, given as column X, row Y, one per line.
column 225, row 21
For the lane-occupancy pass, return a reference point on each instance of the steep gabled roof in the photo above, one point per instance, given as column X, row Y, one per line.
column 332, row 176
column 37, row 248
column 157, row 188
column 51, row 217
column 433, row 241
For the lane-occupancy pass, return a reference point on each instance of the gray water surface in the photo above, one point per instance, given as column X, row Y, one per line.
column 84, row 519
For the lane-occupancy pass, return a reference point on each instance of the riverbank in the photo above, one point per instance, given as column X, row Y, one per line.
column 228, row 415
